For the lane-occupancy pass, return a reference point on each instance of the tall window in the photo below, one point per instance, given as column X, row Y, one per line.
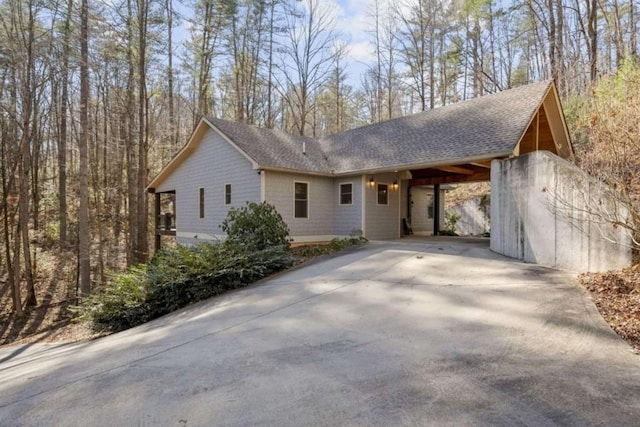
column 346, row 194
column 201, row 202
column 383, row 194
column 227, row 194
column 301, row 204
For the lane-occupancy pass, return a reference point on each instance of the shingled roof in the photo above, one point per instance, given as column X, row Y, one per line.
column 489, row 126
column 274, row 148
column 482, row 128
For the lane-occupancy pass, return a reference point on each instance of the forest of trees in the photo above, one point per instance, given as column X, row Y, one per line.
column 96, row 96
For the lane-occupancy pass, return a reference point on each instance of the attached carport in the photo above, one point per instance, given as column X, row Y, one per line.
column 533, row 126
column 456, row 143
column 542, row 205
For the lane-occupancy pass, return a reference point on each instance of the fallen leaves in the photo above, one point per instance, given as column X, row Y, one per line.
column 617, row 296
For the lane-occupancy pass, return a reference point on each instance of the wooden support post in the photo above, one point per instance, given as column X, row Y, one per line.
column 537, row 119
column 158, row 237
column 436, row 209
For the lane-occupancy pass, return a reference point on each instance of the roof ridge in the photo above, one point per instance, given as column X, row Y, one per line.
column 260, row 128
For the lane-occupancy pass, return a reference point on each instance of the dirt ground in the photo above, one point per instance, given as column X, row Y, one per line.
column 617, row 296
column 51, row 320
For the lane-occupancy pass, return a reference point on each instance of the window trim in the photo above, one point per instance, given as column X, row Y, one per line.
column 378, row 184
column 201, row 202
column 228, row 184
column 340, row 194
column 307, row 200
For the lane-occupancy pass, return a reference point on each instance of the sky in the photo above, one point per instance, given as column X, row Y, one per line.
column 352, row 24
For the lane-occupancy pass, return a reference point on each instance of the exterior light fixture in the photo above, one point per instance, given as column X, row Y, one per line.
column 372, row 183
column 395, row 185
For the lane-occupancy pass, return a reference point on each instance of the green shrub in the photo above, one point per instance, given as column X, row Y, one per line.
column 176, row 278
column 207, row 270
column 355, row 238
column 258, row 245
column 121, row 303
column 450, row 221
column 255, row 226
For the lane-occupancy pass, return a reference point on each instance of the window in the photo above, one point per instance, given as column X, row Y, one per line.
column 383, row 194
column 202, row 203
column 301, row 196
column 227, row 194
column 346, row 194
column 430, row 206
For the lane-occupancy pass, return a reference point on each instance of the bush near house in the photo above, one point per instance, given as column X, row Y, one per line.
column 258, row 245
column 176, row 278
column 302, row 253
column 255, row 226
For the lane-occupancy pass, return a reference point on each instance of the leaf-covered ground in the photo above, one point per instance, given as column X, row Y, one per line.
column 50, row 321
column 617, row 296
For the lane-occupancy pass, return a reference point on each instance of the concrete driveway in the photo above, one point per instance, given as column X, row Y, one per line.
column 401, row 333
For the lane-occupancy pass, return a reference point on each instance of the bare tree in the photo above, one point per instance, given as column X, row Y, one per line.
column 63, row 135
column 417, row 26
column 307, row 57
column 84, row 239
column 612, row 153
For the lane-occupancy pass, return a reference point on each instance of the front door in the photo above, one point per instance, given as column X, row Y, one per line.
column 422, row 210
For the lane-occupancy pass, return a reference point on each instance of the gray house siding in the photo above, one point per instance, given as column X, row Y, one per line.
column 347, row 218
column 279, row 191
column 382, row 221
column 212, row 165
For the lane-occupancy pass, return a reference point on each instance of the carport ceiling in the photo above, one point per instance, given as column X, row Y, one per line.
column 465, row 172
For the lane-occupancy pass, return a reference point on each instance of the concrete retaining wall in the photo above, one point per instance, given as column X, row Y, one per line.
column 540, row 213
column 474, row 216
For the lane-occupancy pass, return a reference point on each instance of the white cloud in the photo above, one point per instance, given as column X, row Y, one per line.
column 353, row 23
column 361, row 52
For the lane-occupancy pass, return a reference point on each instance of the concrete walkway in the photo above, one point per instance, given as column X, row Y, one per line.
column 400, row 333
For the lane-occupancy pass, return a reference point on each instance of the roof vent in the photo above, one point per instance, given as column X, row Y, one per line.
column 304, row 147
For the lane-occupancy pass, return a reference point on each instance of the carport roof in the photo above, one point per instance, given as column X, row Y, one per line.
column 483, row 128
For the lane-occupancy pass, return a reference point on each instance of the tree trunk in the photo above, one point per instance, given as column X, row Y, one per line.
column 593, row 39
column 62, row 137
column 132, row 202
column 173, row 130
column 142, row 243
column 84, row 243
column 270, row 115
column 633, row 30
column 12, row 281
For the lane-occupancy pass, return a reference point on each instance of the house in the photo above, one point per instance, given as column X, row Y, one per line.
column 368, row 179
